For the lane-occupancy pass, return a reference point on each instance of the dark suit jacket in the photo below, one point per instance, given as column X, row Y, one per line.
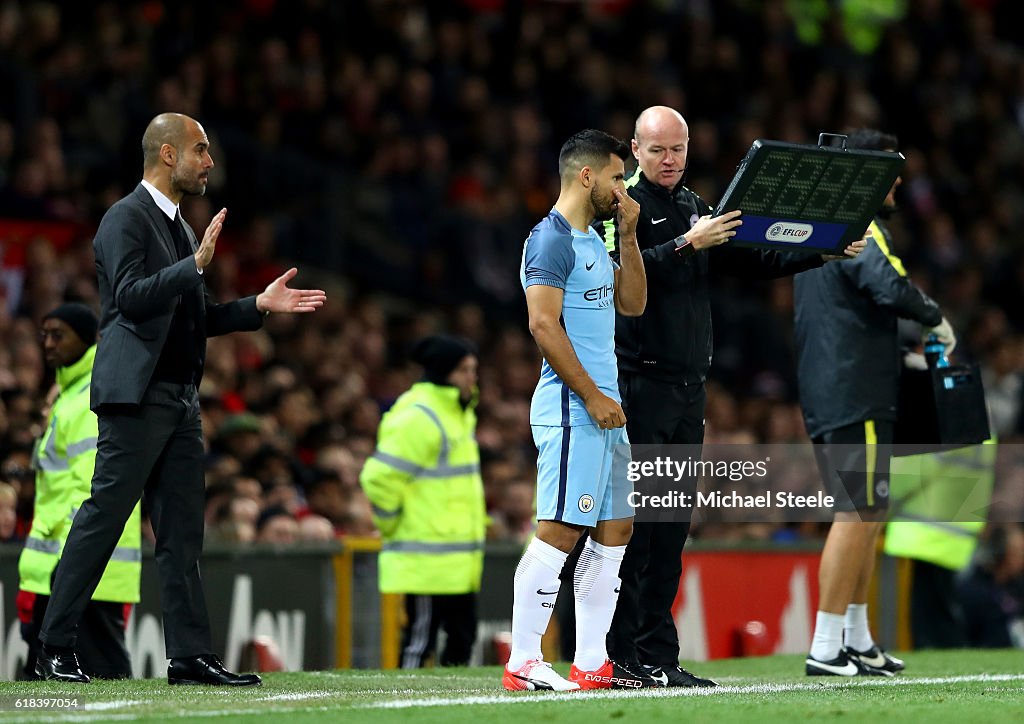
column 140, row 284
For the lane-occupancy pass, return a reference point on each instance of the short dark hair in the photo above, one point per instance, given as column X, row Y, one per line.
column 589, row 148
column 870, row 139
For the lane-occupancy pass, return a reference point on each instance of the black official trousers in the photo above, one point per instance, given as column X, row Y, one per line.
column 156, row 449
column 425, row 615
column 100, row 646
column 643, row 628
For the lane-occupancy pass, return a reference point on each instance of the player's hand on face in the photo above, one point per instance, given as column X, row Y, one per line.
column 627, row 214
column 204, row 255
column 605, row 411
column 712, row 231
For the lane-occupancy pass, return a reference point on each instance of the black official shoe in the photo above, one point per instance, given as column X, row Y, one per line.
column 842, row 665
column 675, row 676
column 877, row 658
column 632, row 676
column 613, row 675
column 207, row 669
column 59, row 665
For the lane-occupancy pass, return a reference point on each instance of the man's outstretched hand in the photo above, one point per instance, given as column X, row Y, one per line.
column 277, row 297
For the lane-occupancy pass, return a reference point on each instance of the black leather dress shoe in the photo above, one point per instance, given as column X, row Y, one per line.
column 59, row 665
column 207, row 669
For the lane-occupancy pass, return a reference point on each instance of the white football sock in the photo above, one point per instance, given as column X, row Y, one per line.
column 828, row 636
column 856, row 633
column 596, row 589
column 534, row 592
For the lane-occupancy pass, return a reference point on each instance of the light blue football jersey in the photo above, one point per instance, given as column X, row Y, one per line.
column 557, row 255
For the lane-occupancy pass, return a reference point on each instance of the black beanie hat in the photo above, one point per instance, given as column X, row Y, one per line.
column 441, row 354
column 80, row 318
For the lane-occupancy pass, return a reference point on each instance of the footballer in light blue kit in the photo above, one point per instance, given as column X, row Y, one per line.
column 576, row 458
column 573, row 290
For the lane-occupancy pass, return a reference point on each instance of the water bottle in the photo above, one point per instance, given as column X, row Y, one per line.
column 935, row 352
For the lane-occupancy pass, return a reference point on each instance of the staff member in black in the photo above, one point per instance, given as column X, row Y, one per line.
column 849, row 371
column 664, row 356
column 155, row 318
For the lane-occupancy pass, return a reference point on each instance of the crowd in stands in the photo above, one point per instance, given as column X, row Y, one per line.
column 398, row 152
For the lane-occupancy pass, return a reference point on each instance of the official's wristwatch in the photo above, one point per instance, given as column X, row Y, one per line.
column 684, row 247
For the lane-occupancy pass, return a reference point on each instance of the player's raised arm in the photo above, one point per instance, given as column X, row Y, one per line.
column 630, row 279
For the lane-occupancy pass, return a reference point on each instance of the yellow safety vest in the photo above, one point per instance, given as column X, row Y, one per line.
column 938, row 503
column 424, row 484
column 64, row 460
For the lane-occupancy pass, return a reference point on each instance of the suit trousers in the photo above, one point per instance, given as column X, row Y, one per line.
column 153, row 449
column 100, row 646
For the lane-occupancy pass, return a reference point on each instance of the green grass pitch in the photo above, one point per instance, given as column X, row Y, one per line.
column 946, row 686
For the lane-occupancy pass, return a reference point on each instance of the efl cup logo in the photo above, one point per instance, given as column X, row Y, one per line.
column 789, row 232
column 586, row 503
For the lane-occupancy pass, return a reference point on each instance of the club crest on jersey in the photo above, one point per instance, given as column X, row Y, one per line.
column 586, row 503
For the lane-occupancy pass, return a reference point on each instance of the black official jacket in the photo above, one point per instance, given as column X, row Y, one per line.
column 848, row 348
column 671, row 340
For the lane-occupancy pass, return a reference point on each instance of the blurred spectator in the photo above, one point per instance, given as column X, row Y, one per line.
column 1003, row 376
column 240, row 435
column 327, row 497
column 277, row 525
column 315, row 528
column 8, row 513
column 513, row 518
column 992, row 594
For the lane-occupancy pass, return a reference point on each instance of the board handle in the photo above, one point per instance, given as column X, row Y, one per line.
column 823, row 136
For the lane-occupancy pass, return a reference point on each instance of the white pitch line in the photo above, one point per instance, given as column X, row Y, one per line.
column 295, row 696
column 104, row 705
column 531, row 697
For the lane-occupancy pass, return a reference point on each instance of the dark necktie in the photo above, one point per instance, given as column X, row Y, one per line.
column 181, row 244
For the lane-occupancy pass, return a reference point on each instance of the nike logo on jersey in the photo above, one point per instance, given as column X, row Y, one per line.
column 591, row 265
column 546, row 593
column 658, row 221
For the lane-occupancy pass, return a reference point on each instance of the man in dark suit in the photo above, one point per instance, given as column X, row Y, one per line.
column 155, row 319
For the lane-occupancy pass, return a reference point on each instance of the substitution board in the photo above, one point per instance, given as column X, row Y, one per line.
column 816, row 199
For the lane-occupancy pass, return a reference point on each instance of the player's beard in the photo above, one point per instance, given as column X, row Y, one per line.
column 604, row 208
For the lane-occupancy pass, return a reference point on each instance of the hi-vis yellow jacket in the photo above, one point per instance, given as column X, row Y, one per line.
column 427, row 495
column 64, row 460
column 938, row 504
